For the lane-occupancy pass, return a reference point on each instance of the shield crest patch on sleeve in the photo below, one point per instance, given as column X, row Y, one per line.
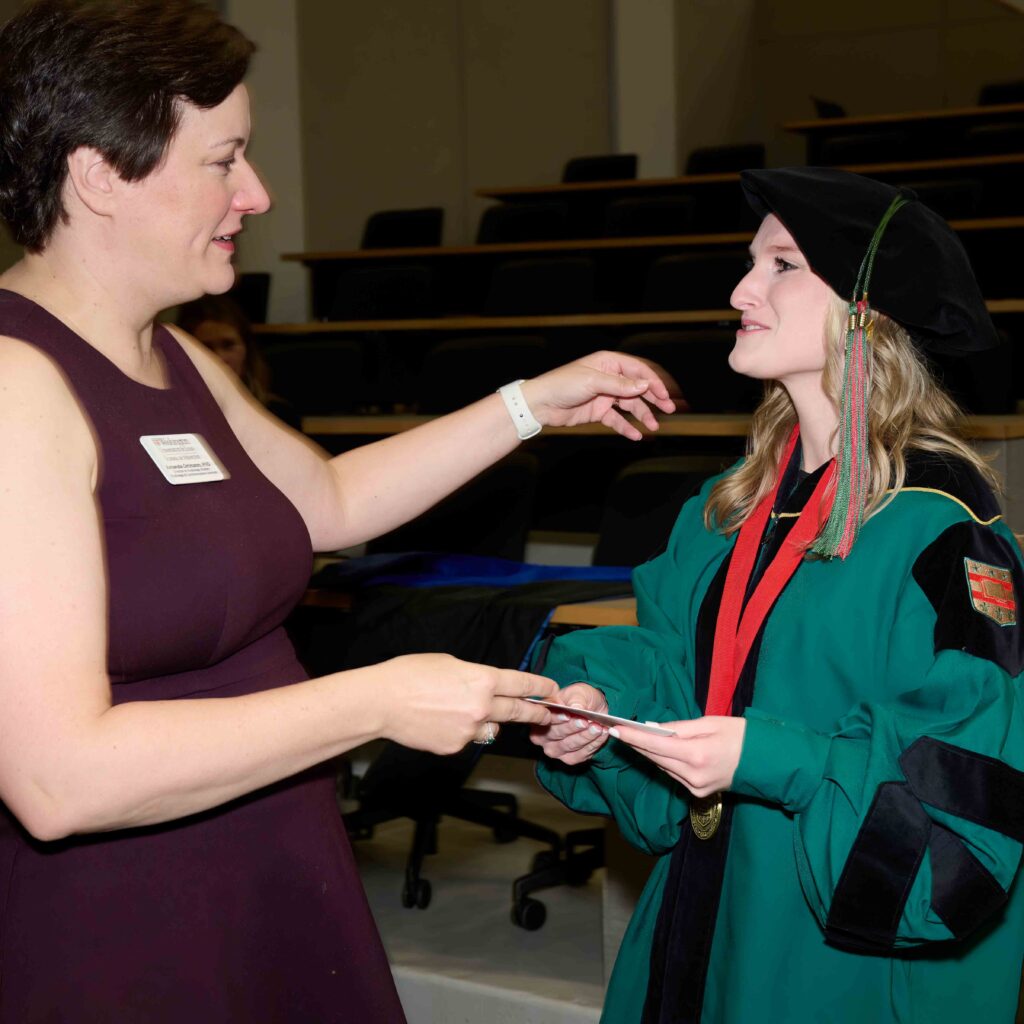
column 991, row 590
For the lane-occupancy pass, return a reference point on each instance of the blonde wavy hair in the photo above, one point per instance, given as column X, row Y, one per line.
column 907, row 409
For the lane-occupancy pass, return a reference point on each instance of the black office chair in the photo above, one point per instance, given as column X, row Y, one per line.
column 607, row 167
column 523, row 222
column 952, row 198
column 488, row 516
column 459, row 371
column 1001, row 92
column 319, row 376
column 402, row 229
column 993, row 139
column 982, row 383
column 863, row 148
column 827, row 109
column 721, row 159
column 656, row 215
column 542, row 287
column 643, row 504
column 385, row 293
column 694, row 280
column 698, row 360
column 251, row 291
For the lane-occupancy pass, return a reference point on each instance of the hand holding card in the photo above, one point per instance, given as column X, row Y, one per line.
column 603, row 718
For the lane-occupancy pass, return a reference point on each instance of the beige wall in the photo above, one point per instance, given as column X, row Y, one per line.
column 744, row 68
column 276, row 150
column 407, row 103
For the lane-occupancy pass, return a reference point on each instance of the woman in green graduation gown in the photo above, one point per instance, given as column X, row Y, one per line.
column 833, row 636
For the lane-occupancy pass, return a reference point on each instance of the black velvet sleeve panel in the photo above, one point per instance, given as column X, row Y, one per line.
column 969, row 785
column 941, row 572
column 964, row 893
column 931, row 471
column 881, row 868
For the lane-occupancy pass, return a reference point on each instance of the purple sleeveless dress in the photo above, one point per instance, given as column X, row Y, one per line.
column 249, row 913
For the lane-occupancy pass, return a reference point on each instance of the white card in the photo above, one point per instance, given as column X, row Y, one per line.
column 600, row 716
column 183, row 458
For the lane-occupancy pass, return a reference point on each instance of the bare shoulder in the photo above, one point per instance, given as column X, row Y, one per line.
column 27, row 376
column 38, row 407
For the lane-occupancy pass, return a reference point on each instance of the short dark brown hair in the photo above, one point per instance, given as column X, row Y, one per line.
column 110, row 74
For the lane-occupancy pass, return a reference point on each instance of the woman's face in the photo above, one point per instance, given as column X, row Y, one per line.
column 785, row 306
column 224, row 341
column 179, row 223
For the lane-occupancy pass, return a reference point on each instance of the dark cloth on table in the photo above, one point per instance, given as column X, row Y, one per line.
column 248, row 912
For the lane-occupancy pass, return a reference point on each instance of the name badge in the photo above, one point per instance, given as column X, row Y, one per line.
column 183, row 458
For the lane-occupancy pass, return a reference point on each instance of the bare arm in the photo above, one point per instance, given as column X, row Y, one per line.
column 72, row 762
column 368, row 491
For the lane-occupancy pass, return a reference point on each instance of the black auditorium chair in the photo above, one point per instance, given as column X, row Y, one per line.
column 523, row 222
column 694, row 280
column 645, row 217
column 1001, row 92
column 993, row 139
column 384, row 293
column 488, row 516
column 644, row 501
column 252, row 293
column 542, row 287
column 316, row 375
column 952, row 198
column 607, row 167
column 698, row 361
column 403, row 229
column 982, row 383
column 721, row 159
column 459, row 371
column 863, row 148
column 826, row 110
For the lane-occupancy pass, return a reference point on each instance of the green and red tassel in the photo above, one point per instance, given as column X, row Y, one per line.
column 853, row 469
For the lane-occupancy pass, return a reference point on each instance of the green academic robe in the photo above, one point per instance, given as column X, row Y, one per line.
column 879, row 798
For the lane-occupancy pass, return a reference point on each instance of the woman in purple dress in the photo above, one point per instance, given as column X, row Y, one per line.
column 170, row 849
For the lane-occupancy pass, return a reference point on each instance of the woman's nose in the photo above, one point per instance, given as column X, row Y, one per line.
column 252, row 197
column 746, row 292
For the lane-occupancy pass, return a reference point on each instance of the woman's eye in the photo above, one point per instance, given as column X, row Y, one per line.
column 226, row 164
column 748, row 265
column 781, row 264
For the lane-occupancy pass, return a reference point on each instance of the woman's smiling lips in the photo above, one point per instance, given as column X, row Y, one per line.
column 748, row 326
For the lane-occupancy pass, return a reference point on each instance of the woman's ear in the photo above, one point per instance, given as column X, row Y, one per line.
column 92, row 181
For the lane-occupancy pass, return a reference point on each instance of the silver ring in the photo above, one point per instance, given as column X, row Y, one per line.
column 490, row 737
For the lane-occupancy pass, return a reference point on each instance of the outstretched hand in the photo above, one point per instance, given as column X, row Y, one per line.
column 600, row 388
column 703, row 755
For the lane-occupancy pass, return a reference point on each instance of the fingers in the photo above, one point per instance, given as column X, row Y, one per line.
column 630, row 367
column 515, row 709
column 511, row 683
column 621, row 425
column 583, row 695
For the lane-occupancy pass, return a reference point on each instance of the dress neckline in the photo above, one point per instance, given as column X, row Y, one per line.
column 159, row 345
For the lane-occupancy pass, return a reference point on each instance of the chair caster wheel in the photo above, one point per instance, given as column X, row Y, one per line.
column 530, row 914
column 417, row 895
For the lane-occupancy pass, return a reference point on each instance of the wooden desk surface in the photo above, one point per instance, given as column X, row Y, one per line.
column 690, row 180
column 618, row 611
column 584, row 244
column 483, row 324
column 995, row 111
column 988, row 428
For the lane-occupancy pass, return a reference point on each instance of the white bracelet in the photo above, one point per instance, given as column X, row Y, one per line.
column 512, row 396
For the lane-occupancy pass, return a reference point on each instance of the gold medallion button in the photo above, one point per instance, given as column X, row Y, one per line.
column 705, row 815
